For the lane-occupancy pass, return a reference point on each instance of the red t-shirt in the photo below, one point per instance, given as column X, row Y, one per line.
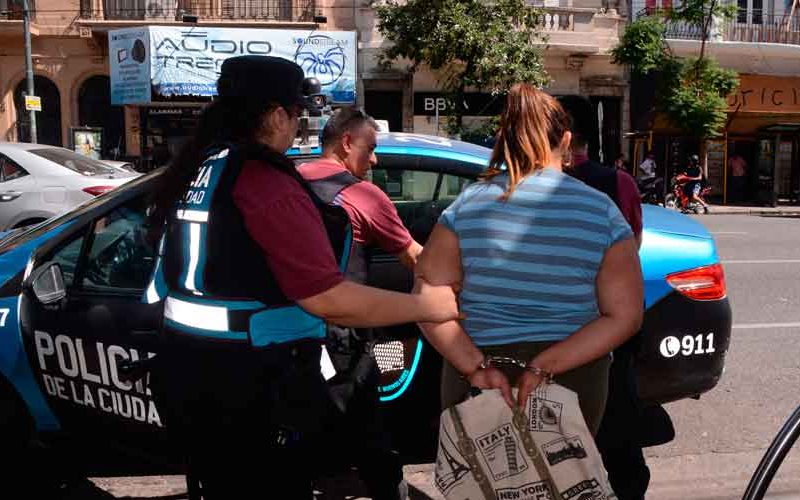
column 372, row 214
column 283, row 220
column 630, row 203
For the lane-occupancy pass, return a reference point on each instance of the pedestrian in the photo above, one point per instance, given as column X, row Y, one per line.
column 693, row 186
column 533, row 288
column 738, row 168
column 625, row 418
column 621, row 163
column 349, row 139
column 249, row 270
column 647, row 169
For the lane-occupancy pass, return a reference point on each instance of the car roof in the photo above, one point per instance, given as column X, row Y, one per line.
column 26, row 146
column 402, row 143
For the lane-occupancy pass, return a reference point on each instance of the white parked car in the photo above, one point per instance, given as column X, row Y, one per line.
column 124, row 166
column 38, row 181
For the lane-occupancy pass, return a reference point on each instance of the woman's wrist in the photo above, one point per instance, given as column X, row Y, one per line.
column 481, row 365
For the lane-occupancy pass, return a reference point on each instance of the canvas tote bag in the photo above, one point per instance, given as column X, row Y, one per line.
column 489, row 451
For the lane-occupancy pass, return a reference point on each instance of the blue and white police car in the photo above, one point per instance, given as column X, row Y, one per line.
column 76, row 339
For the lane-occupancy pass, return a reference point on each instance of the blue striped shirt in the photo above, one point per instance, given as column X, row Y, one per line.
column 530, row 263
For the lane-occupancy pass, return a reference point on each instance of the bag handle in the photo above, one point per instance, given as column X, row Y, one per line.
column 467, row 449
column 521, row 423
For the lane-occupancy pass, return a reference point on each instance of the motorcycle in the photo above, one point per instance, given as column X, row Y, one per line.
column 678, row 200
column 651, row 190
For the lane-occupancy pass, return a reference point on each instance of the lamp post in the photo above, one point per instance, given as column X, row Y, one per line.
column 26, row 23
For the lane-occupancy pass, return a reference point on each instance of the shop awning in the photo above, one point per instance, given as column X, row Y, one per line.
column 152, row 61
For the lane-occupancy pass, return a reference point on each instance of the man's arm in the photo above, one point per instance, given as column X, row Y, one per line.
column 630, row 204
column 384, row 224
column 410, row 255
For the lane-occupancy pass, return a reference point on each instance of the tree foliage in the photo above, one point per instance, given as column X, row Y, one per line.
column 466, row 43
column 693, row 90
column 642, row 46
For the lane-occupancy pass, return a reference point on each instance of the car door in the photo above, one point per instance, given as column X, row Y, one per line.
column 90, row 352
column 17, row 191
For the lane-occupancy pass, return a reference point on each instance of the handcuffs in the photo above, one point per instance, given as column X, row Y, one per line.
column 496, row 361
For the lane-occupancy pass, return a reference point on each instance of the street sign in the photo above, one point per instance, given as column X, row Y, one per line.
column 33, row 103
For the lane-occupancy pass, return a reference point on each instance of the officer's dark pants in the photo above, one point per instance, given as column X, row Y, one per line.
column 249, row 423
column 618, row 437
column 357, row 434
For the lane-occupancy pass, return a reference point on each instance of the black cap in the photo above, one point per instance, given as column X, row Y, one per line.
column 262, row 80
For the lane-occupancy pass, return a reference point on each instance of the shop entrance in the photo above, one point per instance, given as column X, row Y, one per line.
column 385, row 105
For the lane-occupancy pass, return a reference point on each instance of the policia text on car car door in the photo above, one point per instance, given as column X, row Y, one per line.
column 86, row 349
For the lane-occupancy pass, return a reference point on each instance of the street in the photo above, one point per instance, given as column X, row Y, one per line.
column 721, row 437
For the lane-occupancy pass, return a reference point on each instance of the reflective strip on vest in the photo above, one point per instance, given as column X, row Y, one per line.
column 284, row 324
column 192, row 215
column 157, row 288
column 195, row 315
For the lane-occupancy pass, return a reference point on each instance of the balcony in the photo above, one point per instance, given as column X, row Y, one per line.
column 203, row 10
column 11, row 10
column 748, row 26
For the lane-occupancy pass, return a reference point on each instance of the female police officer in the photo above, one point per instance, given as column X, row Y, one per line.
column 249, row 270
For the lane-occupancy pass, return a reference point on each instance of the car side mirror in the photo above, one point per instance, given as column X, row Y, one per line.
column 47, row 283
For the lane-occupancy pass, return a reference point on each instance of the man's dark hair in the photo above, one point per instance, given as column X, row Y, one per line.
column 345, row 120
column 584, row 119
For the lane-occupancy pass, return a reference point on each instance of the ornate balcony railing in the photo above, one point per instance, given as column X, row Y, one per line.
column 205, row 10
column 748, row 26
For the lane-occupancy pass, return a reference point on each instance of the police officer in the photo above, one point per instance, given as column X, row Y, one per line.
column 249, row 269
column 626, row 426
column 349, row 139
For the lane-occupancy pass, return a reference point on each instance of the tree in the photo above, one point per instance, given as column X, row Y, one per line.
column 692, row 91
column 467, row 44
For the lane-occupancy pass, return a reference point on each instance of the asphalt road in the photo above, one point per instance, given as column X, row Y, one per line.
column 721, row 437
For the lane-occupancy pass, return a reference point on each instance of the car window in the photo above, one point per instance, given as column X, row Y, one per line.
column 451, row 187
column 10, row 170
column 120, row 255
column 73, row 161
column 67, row 257
column 406, row 185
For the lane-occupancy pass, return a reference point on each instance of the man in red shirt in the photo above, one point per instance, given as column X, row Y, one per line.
column 349, row 140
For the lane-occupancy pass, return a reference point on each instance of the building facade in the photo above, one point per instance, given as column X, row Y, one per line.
column 71, row 65
column 762, row 43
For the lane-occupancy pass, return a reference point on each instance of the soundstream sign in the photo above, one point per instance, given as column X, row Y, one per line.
column 178, row 61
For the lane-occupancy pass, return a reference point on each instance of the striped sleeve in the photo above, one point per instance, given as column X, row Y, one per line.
column 448, row 217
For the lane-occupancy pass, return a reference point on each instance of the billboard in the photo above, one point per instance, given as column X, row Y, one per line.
column 129, row 54
column 186, row 61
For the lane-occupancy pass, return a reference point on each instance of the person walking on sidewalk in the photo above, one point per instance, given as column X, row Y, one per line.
column 249, row 270
column 349, row 139
column 618, row 438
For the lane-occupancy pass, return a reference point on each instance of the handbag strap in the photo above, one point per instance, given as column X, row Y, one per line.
column 521, row 423
column 467, row 449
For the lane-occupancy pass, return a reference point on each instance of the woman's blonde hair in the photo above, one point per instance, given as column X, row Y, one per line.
column 532, row 126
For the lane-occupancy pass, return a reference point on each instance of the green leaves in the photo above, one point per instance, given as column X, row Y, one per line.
column 642, row 46
column 694, row 95
column 467, row 43
column 693, row 91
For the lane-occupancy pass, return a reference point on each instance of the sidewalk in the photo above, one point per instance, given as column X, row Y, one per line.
column 780, row 210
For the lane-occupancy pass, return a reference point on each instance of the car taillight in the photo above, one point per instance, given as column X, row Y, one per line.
column 97, row 190
column 702, row 283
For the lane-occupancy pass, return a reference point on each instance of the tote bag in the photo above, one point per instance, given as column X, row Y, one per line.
column 489, row 451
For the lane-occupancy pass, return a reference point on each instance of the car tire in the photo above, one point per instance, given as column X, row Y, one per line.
column 15, row 422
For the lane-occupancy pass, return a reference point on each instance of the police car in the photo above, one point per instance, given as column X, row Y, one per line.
column 76, row 340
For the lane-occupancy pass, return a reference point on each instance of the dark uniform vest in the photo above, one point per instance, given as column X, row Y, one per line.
column 214, row 278
column 327, row 189
column 350, row 349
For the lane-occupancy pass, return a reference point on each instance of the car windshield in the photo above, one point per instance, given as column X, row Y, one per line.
column 73, row 161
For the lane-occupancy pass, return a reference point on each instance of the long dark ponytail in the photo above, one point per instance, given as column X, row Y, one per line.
column 226, row 120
